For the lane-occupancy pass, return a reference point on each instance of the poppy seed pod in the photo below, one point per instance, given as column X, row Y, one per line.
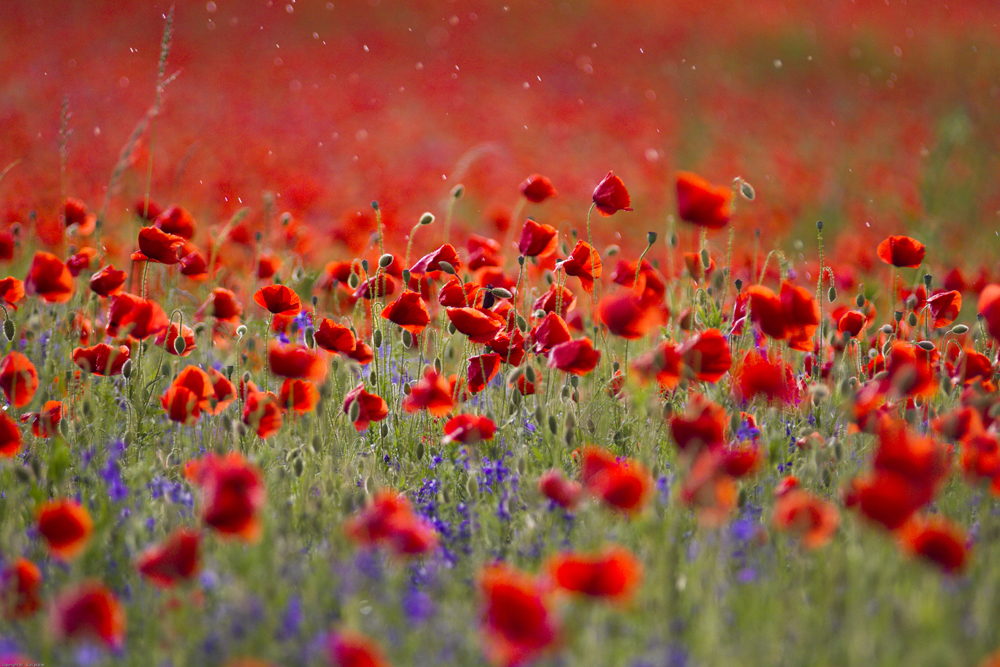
column 426, row 219
column 650, row 238
column 375, row 205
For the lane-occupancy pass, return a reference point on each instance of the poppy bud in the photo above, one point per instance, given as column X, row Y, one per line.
column 406, row 276
column 860, row 300
column 833, row 294
column 569, row 438
column 748, row 193
column 739, row 284
column 127, row 369
column 385, row 260
column 420, row 451
column 375, row 205
column 298, row 466
column 501, row 293
column 570, row 421
column 384, row 430
column 426, row 219
column 447, row 267
column 372, row 377
column 407, row 339
column 179, row 345
column 437, row 364
column 407, row 389
column 522, row 326
column 353, row 281
column 898, row 315
column 354, row 411
column 565, row 391
column 377, row 338
column 241, row 331
column 458, row 191
column 706, row 261
column 674, row 239
column 529, row 373
column 553, row 424
column 8, row 329
column 927, row 281
column 310, row 337
column 912, row 319
column 574, row 380
column 612, row 250
column 615, row 366
column 258, row 237
column 650, row 238
column 959, row 329
column 452, row 328
column 887, row 329
column 926, row 345
column 246, row 377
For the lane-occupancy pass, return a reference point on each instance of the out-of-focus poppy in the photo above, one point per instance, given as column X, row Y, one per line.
column 193, row 264
column 537, row 239
column 468, row 429
column 11, row 291
column 562, row 491
column 66, row 527
column 707, row 354
column 296, row 361
column 155, row 245
column 408, row 311
column 81, row 261
column 49, row 279
column 814, row 519
column 584, row 263
column 362, row 353
column 44, row 423
column 702, row 425
column 708, row 490
column 510, row 347
column 851, row 322
column 20, row 590
column 481, row 370
column 10, row 437
column 301, row 396
column 176, row 559
column 75, row 213
column 912, row 370
column 611, row 195
column 548, row 333
column 431, row 262
column 18, row 379
column 181, row 405
column 431, row 393
column 629, row 316
column 944, row 307
column 989, row 308
column 479, row 324
column 695, row 266
column 701, row 203
column 901, row 251
column 108, row 281
column 536, row 188
column 353, row 650
column 262, row 413
column 89, row 612
column 222, row 305
column 167, row 339
column 176, row 220
column 938, row 541
column 225, row 393
column 278, row 299
column 662, row 363
column 517, row 622
column 334, row 337
column 557, row 296
column 102, row 359
column 375, row 287
column 233, row 494
column 576, row 357
column 371, row 407
column 389, row 521
column 143, row 319
column 759, row 375
column 456, row 294
column 624, row 485
column 612, row 574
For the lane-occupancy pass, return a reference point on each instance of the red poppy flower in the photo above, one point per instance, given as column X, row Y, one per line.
column 902, row 251
column 703, row 425
column 801, row 315
column 107, row 281
column 695, row 267
column 479, row 324
column 225, row 393
column 651, row 286
column 510, row 347
column 576, row 357
column 278, row 299
column 176, row 220
column 851, row 322
column 912, row 370
column 517, row 623
column 198, row 383
column 376, row 287
column 193, row 264
column 708, row 490
column 989, row 308
column 66, row 527
column 167, row 339
column 536, row 188
column 629, row 316
column 624, row 485
column 758, row 375
column 176, row 559
column 155, row 245
column 537, row 239
column 142, row 318
column 49, row 278
column 10, row 437
column 20, row 590
column 972, row 367
column 611, row 196
column 18, row 379
column 889, row 498
column 584, row 263
column 389, row 521
column 481, row 370
column 707, row 354
column 563, row 492
column 945, row 307
column 362, row 353
column 741, row 460
column 701, row 203
column 408, row 311
column 75, row 213
column 937, row 541
column 353, row 650
column 90, row 611
column 11, row 291
column 334, row 337
column 800, row 512
column 262, row 413
column 548, row 333
column 102, row 359
column 233, row 494
column 373, row 407
column 222, row 305
column 431, row 262
column 296, row 361
column 301, row 396
column 81, row 261
column 556, row 297
column 662, row 363
column 431, row 393
column 456, row 294
column 181, row 405
column 613, row 574
column 44, row 423
column 468, row 429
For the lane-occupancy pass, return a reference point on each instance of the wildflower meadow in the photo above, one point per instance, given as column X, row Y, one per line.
column 610, row 333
